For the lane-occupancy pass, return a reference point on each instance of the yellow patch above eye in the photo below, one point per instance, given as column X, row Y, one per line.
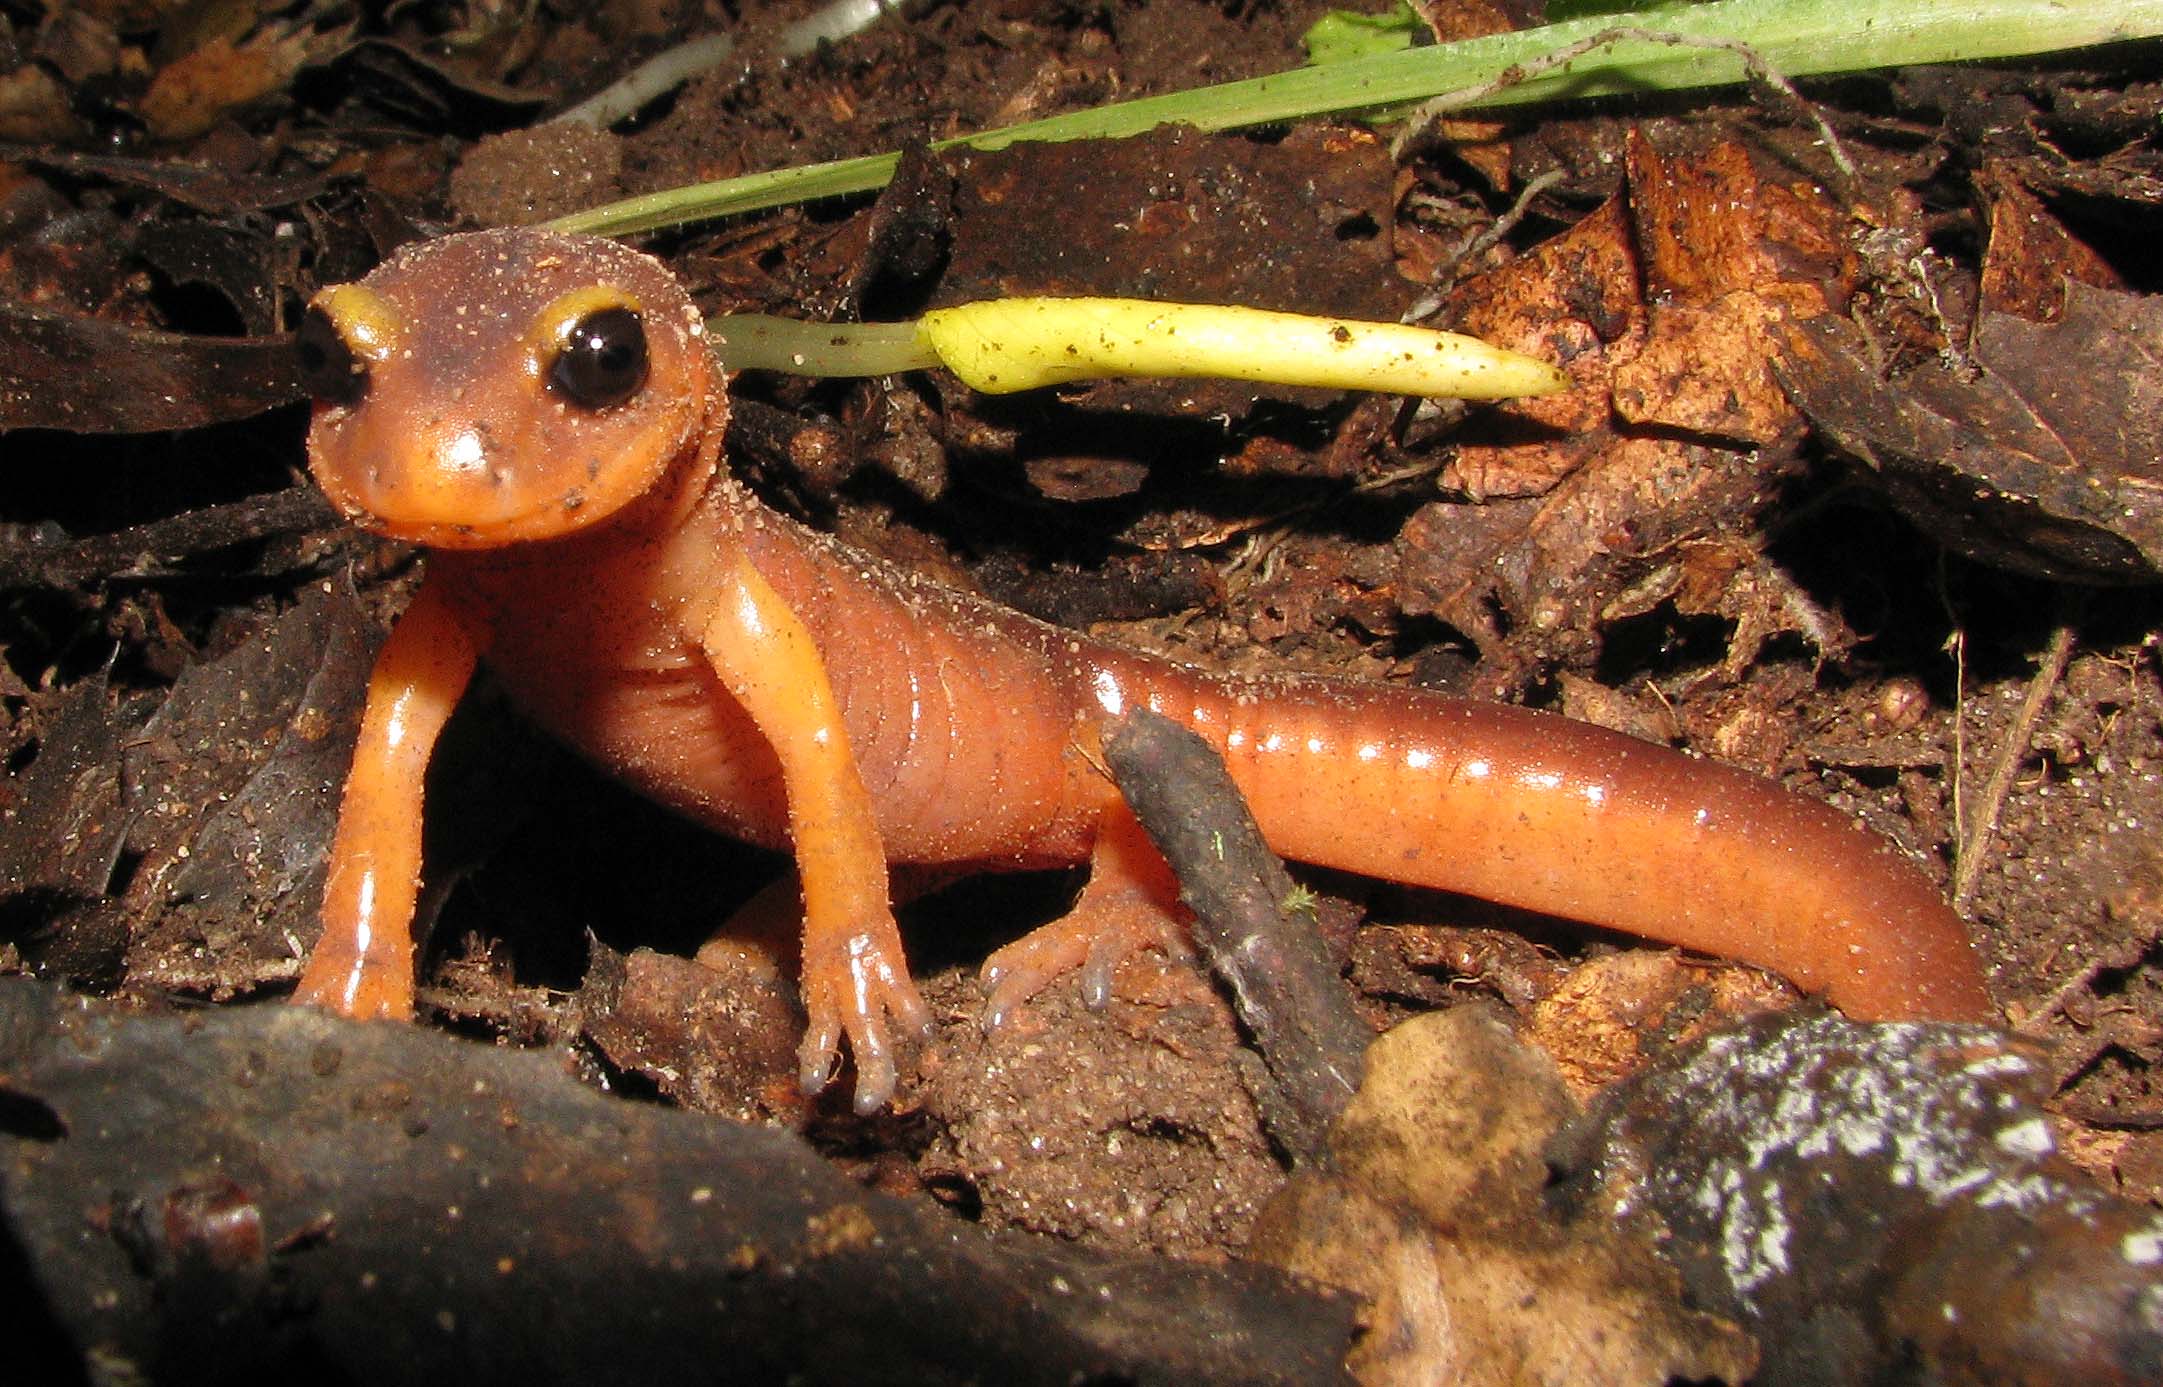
column 371, row 325
column 550, row 332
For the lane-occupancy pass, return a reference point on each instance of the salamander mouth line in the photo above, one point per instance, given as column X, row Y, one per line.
column 564, row 511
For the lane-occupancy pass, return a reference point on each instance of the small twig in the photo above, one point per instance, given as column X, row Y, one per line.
column 662, row 73
column 1764, row 72
column 1975, row 835
column 1430, row 302
column 1288, row 993
column 671, row 68
column 124, row 552
column 1422, row 119
column 2082, row 977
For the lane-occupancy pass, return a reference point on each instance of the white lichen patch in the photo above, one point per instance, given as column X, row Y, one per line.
column 1767, row 1127
column 2030, row 1138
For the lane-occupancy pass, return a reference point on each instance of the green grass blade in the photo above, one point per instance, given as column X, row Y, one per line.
column 1796, row 37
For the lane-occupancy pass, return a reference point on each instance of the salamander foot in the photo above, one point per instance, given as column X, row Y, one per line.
column 856, row 985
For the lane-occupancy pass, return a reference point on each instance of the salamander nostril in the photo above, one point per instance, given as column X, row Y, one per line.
column 603, row 361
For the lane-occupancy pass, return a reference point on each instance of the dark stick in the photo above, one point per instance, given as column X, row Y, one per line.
column 124, row 552
column 1286, row 989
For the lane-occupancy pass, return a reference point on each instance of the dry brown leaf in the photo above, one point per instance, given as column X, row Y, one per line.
column 1574, row 300
column 191, row 93
column 1725, row 255
column 34, row 108
column 1665, row 305
column 1615, row 1012
column 2031, row 255
column 1709, row 370
column 87, row 375
column 1551, row 565
column 1435, row 1212
column 1708, row 226
column 235, row 778
column 2046, row 456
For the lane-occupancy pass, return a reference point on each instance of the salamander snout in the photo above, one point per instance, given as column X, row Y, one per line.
column 503, row 386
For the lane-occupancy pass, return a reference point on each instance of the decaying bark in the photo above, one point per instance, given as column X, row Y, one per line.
column 268, row 1190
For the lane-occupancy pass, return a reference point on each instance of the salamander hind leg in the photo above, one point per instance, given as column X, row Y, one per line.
column 1131, row 903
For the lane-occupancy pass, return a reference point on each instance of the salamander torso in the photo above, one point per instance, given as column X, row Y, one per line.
column 927, row 673
column 542, row 412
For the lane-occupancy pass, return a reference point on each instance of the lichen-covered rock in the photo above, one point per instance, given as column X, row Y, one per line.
column 1881, row 1203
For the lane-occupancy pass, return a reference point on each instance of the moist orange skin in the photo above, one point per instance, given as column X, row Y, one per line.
column 778, row 685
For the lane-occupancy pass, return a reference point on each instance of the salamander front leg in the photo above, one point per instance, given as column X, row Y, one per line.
column 1130, row 903
column 856, row 982
column 363, row 963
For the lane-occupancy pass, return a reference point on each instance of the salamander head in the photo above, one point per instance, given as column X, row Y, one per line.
column 501, row 386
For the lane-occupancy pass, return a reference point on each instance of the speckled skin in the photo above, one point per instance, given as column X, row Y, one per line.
column 651, row 613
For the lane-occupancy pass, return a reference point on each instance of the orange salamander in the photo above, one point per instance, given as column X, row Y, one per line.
column 543, row 414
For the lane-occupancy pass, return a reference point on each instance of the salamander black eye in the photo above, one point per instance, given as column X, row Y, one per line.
column 603, row 361
column 328, row 369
